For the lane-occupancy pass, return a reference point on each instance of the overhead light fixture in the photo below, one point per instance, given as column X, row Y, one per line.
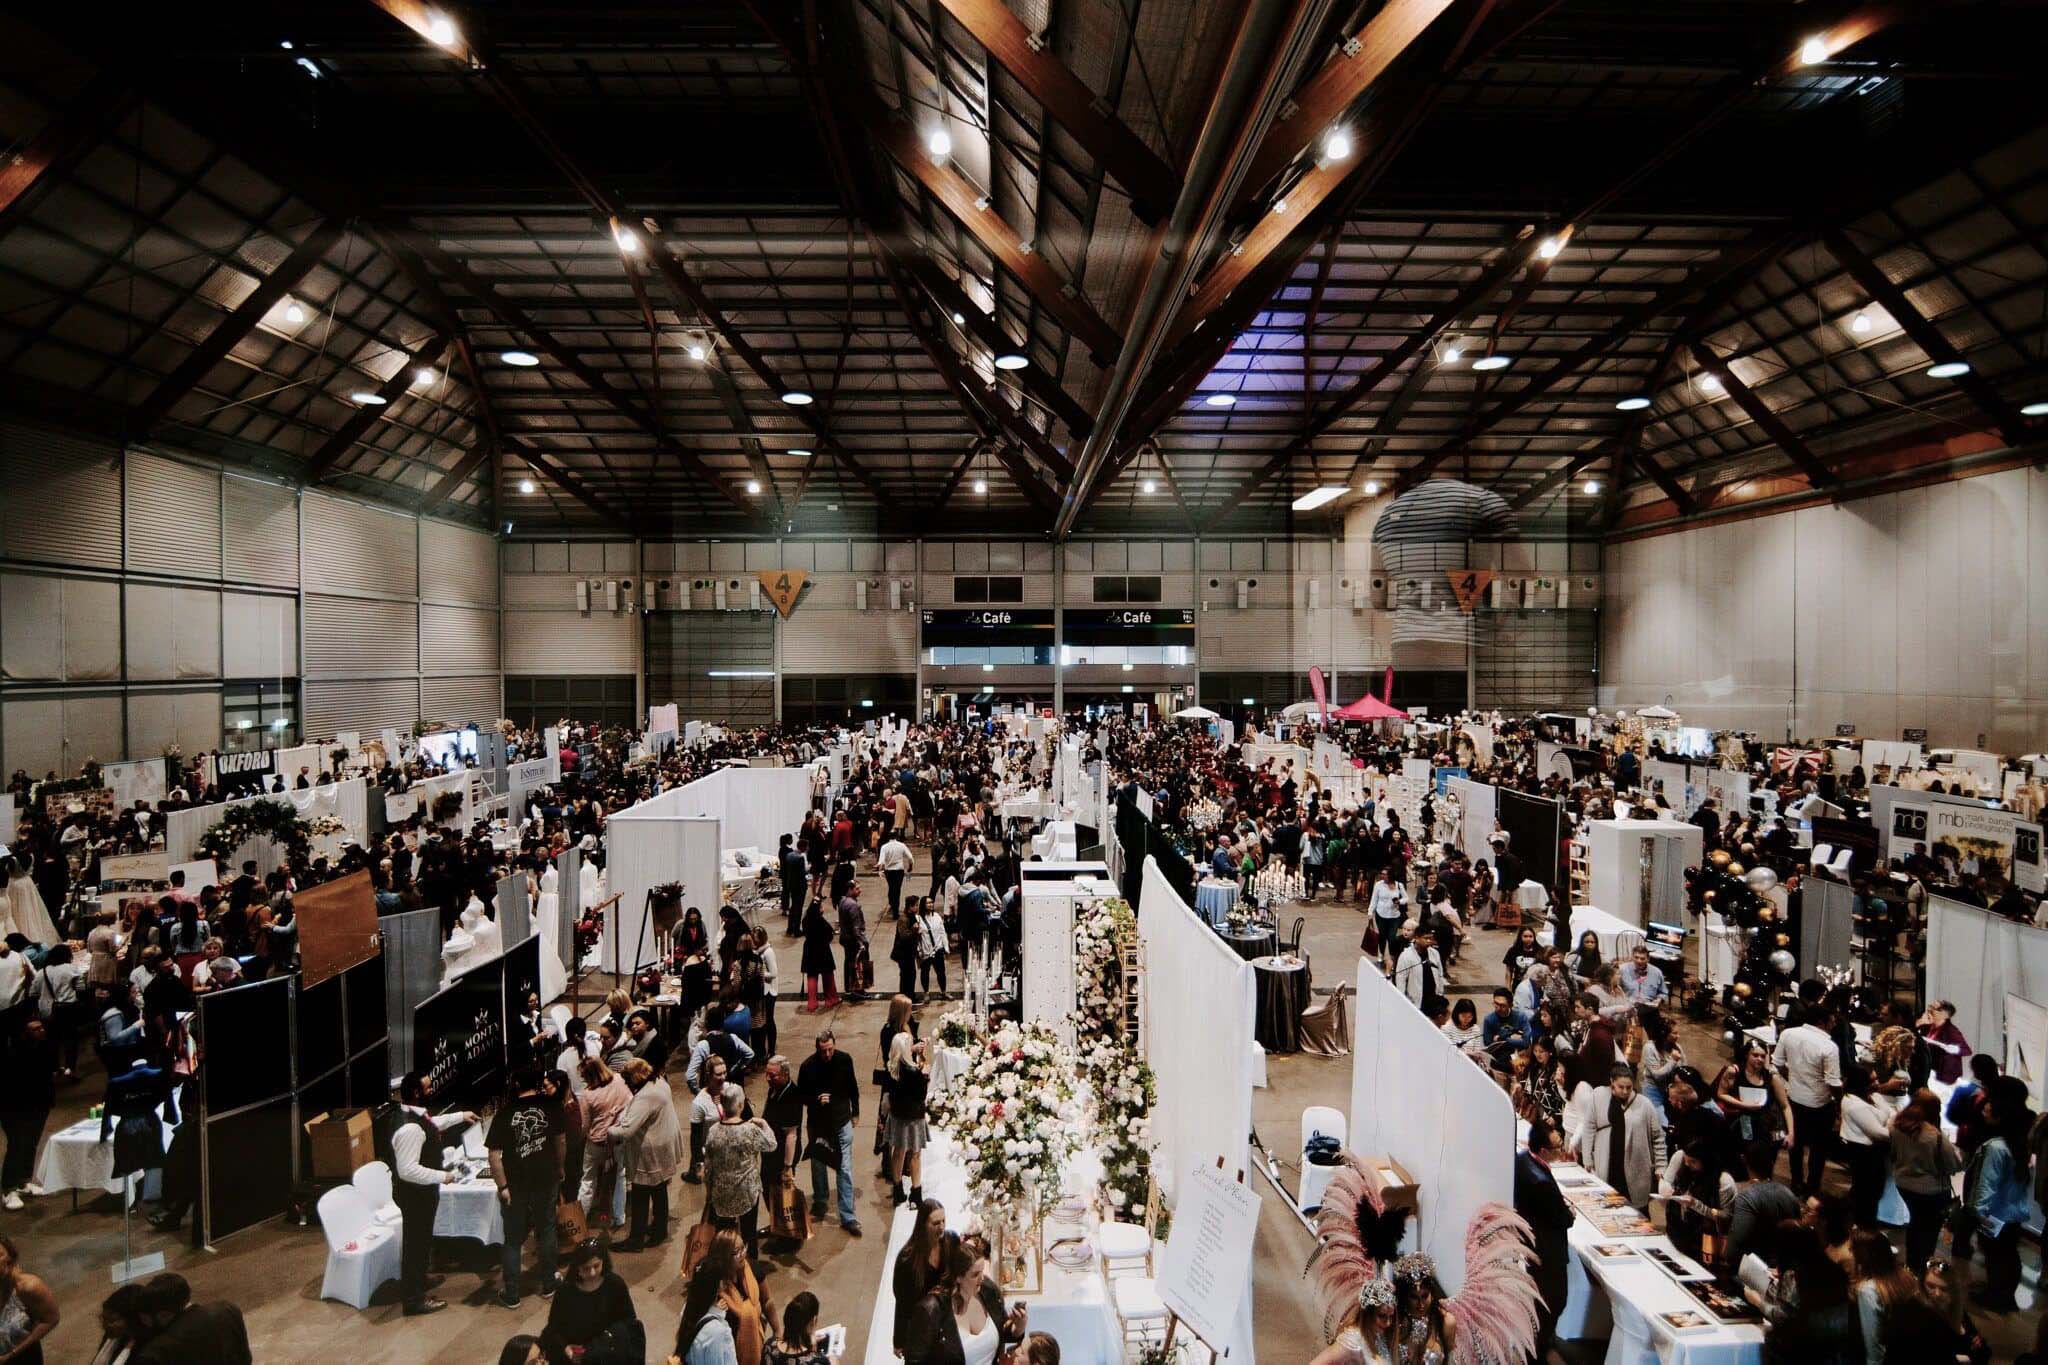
column 959, row 319
column 1490, row 362
column 697, row 351
column 1948, row 369
column 2035, row 410
column 831, row 507
column 368, row 398
column 1711, row 383
column 243, row 724
column 1127, row 687
column 1149, row 486
column 441, row 29
column 527, row 486
column 1861, row 322
column 1280, row 204
column 1452, row 355
column 286, row 44
column 981, row 485
column 1221, row 400
column 1372, row 488
column 525, row 360
column 801, row 452
column 294, row 314
column 424, row 375
column 306, row 65
column 1248, row 701
column 753, row 485
column 988, row 668
column 1814, row 50
column 1011, row 360
column 1316, row 497
column 1549, row 247
column 628, row 241
column 1129, row 667
column 797, row 398
column 939, row 143
column 1592, row 485
column 1336, row 143
column 1633, row 404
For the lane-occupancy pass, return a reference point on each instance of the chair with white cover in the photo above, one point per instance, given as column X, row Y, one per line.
column 373, row 1182
column 1141, row 1315
column 559, row 1016
column 360, row 1254
column 1127, row 1247
column 1326, row 1025
column 1319, row 1119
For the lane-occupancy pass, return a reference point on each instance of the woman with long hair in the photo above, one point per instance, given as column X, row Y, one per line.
column 1866, row 1143
column 961, row 1322
column 1881, row 1285
column 818, row 963
column 1539, row 1092
column 1753, row 1095
column 2001, row 1192
column 591, row 1301
column 739, row 1294
column 1586, row 960
column 909, row 1083
column 919, row 1267
column 1426, row 1332
column 1924, row 1164
column 1521, row 955
column 794, row 1342
column 704, row 1332
column 1812, row 1320
column 1662, row 1055
column 1365, row 1334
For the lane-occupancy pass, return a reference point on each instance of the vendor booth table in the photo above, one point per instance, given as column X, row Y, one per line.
column 1617, row 938
column 1282, row 985
column 1251, row 943
column 1214, row 899
column 75, row 1159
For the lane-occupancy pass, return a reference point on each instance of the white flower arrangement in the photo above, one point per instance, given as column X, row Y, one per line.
column 1125, row 1092
column 1014, row 1114
column 1103, row 931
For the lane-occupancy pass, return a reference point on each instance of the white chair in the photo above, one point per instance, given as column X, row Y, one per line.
column 1318, row 1118
column 360, row 1254
column 1141, row 1315
column 373, row 1182
column 559, row 1016
column 1127, row 1247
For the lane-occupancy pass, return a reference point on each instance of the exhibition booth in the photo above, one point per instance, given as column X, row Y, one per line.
column 338, row 812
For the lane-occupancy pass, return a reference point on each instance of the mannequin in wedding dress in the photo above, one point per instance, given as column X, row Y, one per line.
column 22, row 905
column 547, row 914
column 472, row 942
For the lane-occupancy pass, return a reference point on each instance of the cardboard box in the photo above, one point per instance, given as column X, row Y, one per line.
column 1401, row 1191
column 340, row 1142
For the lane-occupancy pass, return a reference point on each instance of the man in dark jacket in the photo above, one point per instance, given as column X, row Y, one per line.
column 188, row 1333
column 832, row 1103
column 1542, row 1206
column 796, row 878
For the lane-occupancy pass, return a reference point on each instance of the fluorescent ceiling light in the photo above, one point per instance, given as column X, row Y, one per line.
column 1491, row 362
column 1221, row 400
column 1948, row 369
column 526, row 485
column 740, row 673
column 1316, row 497
column 988, row 668
column 797, row 398
column 1010, row 360
column 801, row 452
column 1249, row 701
column 867, row 701
column 368, row 399
column 2035, row 410
column 1635, row 404
column 525, row 360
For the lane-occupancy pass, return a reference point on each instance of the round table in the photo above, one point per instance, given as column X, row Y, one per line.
column 1282, row 985
column 1215, row 899
column 1251, row 943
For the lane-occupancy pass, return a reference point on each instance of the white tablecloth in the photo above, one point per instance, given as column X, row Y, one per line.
column 1073, row 1305
column 471, row 1209
column 74, row 1158
column 1620, row 1300
column 1532, row 896
column 947, row 1063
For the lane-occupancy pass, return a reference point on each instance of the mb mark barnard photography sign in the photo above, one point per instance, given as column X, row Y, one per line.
column 1985, row 837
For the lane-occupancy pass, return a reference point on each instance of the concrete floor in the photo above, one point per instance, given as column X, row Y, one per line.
column 274, row 1271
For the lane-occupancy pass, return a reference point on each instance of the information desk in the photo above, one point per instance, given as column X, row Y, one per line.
column 1072, row 1305
column 1617, row 937
column 75, row 1159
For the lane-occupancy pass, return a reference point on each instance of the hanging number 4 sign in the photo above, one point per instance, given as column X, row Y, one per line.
column 1467, row 585
column 783, row 587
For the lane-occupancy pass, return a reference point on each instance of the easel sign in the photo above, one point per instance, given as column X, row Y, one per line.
column 1208, row 1259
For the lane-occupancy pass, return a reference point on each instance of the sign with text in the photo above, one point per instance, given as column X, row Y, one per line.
column 244, row 774
column 1985, row 836
column 458, row 1037
column 2027, row 871
column 1468, row 585
column 135, row 867
column 783, row 587
column 1914, row 734
column 991, row 618
column 1207, row 1266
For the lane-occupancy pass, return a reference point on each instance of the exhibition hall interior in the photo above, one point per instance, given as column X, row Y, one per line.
column 1369, row 679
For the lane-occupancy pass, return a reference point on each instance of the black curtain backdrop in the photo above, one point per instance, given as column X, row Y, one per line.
column 1535, row 830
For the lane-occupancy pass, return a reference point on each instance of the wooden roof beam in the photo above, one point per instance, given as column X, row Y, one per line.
column 57, row 148
column 1040, row 386
column 1767, row 421
column 365, row 416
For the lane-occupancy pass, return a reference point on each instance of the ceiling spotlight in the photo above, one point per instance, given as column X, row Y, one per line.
column 368, row 399
column 1711, row 383
column 1372, row 488
column 628, row 240
column 753, row 485
column 801, row 452
column 1635, row 404
column 1948, row 369
column 1592, row 486
column 1814, row 51
column 1010, row 360
column 797, row 398
column 286, row 44
column 441, row 30
column 1491, row 362
column 1861, row 322
column 1316, row 497
column 939, row 143
column 1451, row 355
column 981, row 485
column 1221, row 400
column 697, row 351
column 1337, row 143
column 959, row 319
column 1280, row 204
column 306, row 65
column 294, row 314
column 2035, row 410
column 1149, row 486
column 424, row 375
column 526, row 485
column 525, row 360
column 1549, row 248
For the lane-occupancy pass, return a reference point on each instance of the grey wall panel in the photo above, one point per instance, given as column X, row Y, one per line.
column 174, row 524
column 157, row 720
column 457, row 565
column 92, row 730
column 549, row 642
column 551, row 591
column 363, row 705
column 823, row 640
column 172, row 632
column 31, row 627
column 32, row 735
column 458, row 639
column 353, row 636
column 92, row 634
column 351, row 547
column 262, row 532
column 259, row 636
column 60, row 498
column 463, row 701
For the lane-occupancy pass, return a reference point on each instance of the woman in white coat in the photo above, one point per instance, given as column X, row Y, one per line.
column 1621, row 1139
column 649, row 1139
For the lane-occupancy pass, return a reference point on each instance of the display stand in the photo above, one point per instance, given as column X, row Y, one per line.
column 131, row 1266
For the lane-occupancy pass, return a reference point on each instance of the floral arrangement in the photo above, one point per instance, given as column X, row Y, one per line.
column 273, row 820
column 1103, row 931
column 1125, row 1091
column 447, row 806
column 956, row 1030
column 1011, row 1112
column 1242, row 916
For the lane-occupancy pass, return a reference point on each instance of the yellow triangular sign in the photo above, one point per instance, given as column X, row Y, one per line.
column 1467, row 585
column 783, row 587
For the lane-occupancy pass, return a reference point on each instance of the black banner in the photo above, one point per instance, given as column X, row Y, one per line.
column 1908, row 822
column 989, row 626
column 244, row 774
column 458, row 1039
column 1128, row 625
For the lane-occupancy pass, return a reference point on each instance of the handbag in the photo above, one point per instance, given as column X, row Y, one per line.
column 698, row 1245
column 789, row 1214
column 570, row 1225
column 1369, row 944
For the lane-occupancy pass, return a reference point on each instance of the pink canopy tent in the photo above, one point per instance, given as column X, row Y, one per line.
column 1369, row 707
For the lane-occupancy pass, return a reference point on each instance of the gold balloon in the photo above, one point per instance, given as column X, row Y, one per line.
column 1784, row 940
column 1767, row 913
column 1719, row 857
column 1711, row 895
column 1735, row 869
column 1742, row 990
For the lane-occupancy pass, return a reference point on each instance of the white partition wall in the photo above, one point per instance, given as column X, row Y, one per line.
column 1418, row 1099
column 1616, row 852
column 755, row 806
column 1475, row 817
column 646, row 846
column 347, row 802
column 1976, row 959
